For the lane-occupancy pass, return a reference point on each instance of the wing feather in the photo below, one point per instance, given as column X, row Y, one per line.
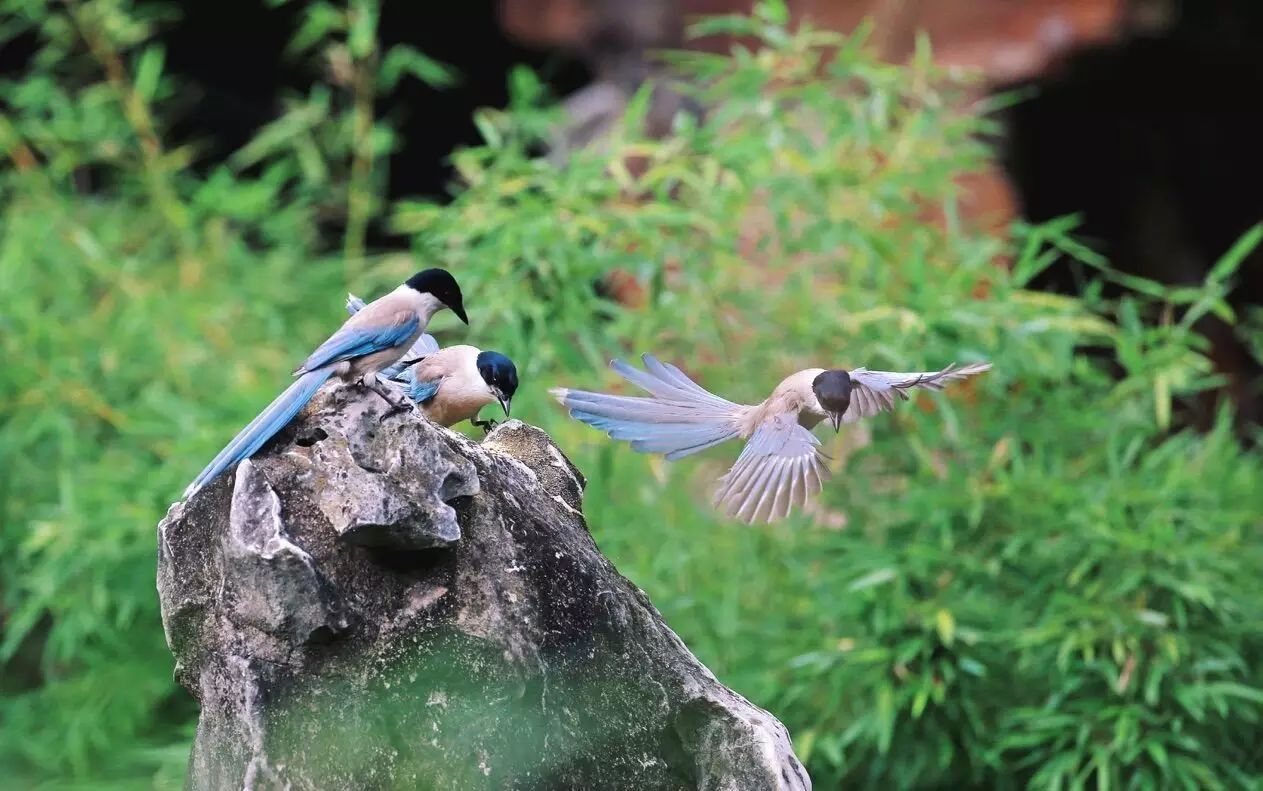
column 422, row 380
column 357, row 338
column 421, row 391
column 781, row 466
column 422, row 348
column 875, row 391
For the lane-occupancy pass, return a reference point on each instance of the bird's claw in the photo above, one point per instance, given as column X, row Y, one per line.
column 485, row 425
column 394, row 410
column 396, row 406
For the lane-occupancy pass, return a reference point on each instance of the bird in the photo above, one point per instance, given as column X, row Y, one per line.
column 781, row 465
column 372, row 340
column 451, row 384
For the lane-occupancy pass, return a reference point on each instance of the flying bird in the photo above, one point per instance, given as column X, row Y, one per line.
column 372, row 340
column 781, row 465
column 452, row 384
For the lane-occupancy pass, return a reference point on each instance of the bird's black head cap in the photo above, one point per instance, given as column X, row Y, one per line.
column 500, row 374
column 833, row 391
column 441, row 284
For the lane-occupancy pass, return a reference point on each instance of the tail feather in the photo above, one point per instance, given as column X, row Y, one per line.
column 674, row 439
column 632, row 408
column 667, row 372
column 262, row 428
column 681, row 418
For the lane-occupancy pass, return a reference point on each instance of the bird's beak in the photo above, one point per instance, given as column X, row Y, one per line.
column 505, row 403
column 836, row 419
column 459, row 310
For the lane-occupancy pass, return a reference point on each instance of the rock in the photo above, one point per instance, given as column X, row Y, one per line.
column 391, row 605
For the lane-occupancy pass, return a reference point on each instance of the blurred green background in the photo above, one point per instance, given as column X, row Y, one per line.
column 1038, row 579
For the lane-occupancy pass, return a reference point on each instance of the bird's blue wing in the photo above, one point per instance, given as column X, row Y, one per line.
column 419, row 391
column 352, row 341
column 424, row 346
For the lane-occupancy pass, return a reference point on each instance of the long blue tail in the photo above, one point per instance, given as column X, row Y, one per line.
column 680, row 419
column 261, row 429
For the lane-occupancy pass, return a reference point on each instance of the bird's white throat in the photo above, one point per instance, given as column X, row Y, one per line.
column 425, row 304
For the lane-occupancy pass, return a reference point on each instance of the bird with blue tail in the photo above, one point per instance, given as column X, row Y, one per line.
column 781, row 466
column 454, row 383
column 373, row 340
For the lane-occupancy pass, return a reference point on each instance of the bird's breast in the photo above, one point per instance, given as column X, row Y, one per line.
column 458, row 399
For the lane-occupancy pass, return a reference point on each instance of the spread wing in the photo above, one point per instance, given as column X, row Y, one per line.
column 358, row 338
column 779, row 468
column 875, row 391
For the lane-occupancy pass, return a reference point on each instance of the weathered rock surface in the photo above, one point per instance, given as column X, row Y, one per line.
column 393, row 605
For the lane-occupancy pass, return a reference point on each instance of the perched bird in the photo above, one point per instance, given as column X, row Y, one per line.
column 372, row 340
column 781, row 464
column 453, row 384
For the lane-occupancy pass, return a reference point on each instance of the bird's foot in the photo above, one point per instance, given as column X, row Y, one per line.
column 398, row 405
column 396, row 409
column 485, row 425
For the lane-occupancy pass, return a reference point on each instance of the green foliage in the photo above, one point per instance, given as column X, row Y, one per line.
column 1029, row 580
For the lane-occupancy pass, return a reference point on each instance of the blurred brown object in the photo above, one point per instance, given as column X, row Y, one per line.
column 1002, row 40
column 623, row 287
column 614, row 37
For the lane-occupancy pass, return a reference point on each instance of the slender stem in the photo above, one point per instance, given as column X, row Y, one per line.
column 23, row 157
column 359, row 207
column 136, row 111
